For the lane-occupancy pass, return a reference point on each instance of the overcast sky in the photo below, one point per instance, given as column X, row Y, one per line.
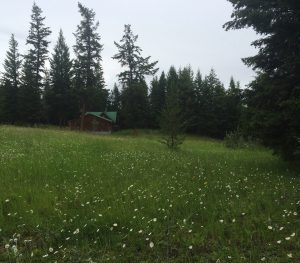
column 174, row 32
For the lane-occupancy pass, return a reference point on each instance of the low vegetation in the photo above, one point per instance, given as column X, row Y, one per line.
column 73, row 197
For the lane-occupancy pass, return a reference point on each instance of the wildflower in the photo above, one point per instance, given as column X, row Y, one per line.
column 290, row 255
column 124, row 245
column 190, row 247
column 76, row 231
column 221, row 221
column 115, row 224
column 233, row 220
column 151, row 244
column 154, row 219
column 50, row 249
column 292, row 235
column 287, row 238
column 263, row 259
column 270, row 227
column 279, row 241
column 6, row 246
column 15, row 249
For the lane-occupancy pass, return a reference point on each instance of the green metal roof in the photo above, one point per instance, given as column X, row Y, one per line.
column 111, row 115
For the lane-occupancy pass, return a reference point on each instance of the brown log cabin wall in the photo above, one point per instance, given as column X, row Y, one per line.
column 92, row 123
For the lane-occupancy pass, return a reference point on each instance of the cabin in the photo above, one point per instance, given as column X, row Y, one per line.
column 100, row 122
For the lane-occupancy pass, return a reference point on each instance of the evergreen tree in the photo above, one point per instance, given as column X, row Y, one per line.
column 233, row 106
column 157, row 98
column 88, row 81
column 172, row 80
column 135, row 106
column 11, row 81
column 115, row 99
column 273, row 99
column 37, row 38
column 187, row 97
column 172, row 122
column 30, row 105
column 211, row 119
column 57, row 96
column 129, row 56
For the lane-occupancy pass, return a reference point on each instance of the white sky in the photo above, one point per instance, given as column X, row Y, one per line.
column 174, row 32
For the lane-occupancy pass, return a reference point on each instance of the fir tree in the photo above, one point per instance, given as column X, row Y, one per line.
column 129, row 56
column 11, row 81
column 58, row 94
column 89, row 82
column 273, row 99
column 172, row 122
column 30, row 104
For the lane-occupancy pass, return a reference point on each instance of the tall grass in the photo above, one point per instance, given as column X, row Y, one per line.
column 72, row 197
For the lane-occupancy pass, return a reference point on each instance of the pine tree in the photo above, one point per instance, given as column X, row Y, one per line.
column 115, row 99
column 273, row 99
column 30, row 104
column 172, row 80
column 11, row 81
column 37, row 38
column 187, row 97
column 129, row 56
column 172, row 122
column 211, row 119
column 233, row 106
column 157, row 98
column 89, row 82
column 58, row 94
column 135, row 106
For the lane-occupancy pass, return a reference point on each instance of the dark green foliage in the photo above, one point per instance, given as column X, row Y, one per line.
column 212, row 106
column 187, row 97
column 11, row 82
column 135, row 106
column 37, row 39
column 129, row 56
column 157, row 98
column 273, row 99
column 58, row 91
column 89, row 83
column 115, row 99
column 233, row 105
column 172, row 122
column 30, row 106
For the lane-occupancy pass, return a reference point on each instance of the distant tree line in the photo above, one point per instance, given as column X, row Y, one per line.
column 32, row 93
column 268, row 109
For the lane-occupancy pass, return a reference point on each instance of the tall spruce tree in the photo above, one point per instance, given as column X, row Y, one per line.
column 135, row 103
column 273, row 99
column 11, row 81
column 187, row 97
column 57, row 97
column 212, row 99
column 157, row 98
column 129, row 56
column 30, row 91
column 89, row 81
column 115, row 99
column 233, row 106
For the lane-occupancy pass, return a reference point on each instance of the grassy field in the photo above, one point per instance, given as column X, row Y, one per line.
column 71, row 197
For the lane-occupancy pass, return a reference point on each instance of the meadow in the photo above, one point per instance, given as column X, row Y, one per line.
column 77, row 197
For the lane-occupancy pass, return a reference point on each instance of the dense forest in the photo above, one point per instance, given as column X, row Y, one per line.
column 268, row 109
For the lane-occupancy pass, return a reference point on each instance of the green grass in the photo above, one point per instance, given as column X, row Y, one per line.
column 107, row 198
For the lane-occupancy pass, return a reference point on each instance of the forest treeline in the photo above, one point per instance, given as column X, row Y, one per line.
column 31, row 93
column 268, row 109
